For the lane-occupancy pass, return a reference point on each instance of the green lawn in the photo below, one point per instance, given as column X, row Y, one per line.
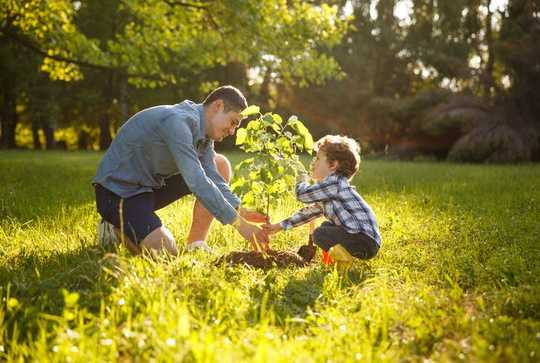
column 457, row 277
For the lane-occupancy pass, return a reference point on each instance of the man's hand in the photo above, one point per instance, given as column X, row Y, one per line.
column 272, row 228
column 253, row 216
column 255, row 235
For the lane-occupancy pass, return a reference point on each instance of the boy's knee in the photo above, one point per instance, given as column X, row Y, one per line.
column 223, row 166
column 319, row 239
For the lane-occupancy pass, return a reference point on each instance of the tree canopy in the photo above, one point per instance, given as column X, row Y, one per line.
column 401, row 75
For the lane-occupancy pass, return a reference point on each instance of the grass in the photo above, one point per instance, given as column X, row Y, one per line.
column 457, row 278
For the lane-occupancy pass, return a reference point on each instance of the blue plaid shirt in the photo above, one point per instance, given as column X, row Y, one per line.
column 339, row 202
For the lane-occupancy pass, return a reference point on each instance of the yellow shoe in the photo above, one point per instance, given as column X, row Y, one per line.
column 341, row 256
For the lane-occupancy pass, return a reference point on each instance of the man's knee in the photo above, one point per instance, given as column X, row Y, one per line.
column 160, row 239
column 223, row 166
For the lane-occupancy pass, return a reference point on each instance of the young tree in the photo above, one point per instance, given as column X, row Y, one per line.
column 275, row 165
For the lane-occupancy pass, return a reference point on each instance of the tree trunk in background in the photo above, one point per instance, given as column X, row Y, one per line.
column 83, row 140
column 488, row 72
column 123, row 98
column 105, row 137
column 384, row 56
column 48, row 130
column 8, row 114
column 35, row 135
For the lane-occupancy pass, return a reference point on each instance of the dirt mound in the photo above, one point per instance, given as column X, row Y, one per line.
column 270, row 258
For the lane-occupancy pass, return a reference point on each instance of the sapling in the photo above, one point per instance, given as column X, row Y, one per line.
column 274, row 165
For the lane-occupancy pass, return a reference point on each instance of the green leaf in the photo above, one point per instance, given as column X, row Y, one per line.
column 277, row 118
column 255, row 125
column 308, row 142
column 238, row 183
column 268, row 118
column 250, row 110
column 241, row 136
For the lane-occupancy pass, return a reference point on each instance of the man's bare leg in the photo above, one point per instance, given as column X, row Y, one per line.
column 202, row 219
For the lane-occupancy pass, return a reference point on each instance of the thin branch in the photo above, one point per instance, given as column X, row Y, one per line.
column 185, row 4
column 27, row 43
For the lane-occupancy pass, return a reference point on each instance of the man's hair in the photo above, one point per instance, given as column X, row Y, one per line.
column 342, row 149
column 233, row 99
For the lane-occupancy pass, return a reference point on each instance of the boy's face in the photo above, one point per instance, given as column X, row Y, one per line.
column 321, row 168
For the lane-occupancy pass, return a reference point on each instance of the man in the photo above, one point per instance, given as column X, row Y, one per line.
column 162, row 154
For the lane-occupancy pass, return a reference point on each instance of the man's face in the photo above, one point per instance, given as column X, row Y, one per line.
column 223, row 124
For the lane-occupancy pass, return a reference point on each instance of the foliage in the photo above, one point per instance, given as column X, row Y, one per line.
column 273, row 168
column 494, row 143
column 457, row 278
column 477, row 47
column 154, row 42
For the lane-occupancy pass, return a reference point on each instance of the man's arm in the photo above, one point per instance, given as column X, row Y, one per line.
column 178, row 137
column 209, row 166
column 179, row 140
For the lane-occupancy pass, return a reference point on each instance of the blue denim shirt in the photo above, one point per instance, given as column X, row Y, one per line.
column 162, row 141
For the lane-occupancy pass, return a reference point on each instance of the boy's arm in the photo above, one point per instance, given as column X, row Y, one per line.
column 303, row 216
column 318, row 192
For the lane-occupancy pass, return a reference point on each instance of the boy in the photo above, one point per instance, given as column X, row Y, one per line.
column 351, row 229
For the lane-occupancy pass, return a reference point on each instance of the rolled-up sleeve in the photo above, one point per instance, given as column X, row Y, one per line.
column 209, row 166
column 179, row 140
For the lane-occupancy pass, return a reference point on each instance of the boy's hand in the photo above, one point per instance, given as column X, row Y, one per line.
column 272, row 228
column 253, row 216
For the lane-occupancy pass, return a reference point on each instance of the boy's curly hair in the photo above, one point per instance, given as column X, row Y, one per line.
column 344, row 150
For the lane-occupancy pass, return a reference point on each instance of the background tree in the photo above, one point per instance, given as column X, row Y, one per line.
column 156, row 43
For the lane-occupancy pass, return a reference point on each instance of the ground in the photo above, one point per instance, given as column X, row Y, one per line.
column 457, row 278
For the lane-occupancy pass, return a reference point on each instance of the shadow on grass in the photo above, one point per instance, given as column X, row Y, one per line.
column 37, row 283
column 302, row 293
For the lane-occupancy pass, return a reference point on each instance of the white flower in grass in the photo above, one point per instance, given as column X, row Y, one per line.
column 106, row 342
column 171, row 342
column 72, row 334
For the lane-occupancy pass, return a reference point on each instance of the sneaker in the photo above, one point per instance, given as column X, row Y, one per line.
column 191, row 247
column 106, row 234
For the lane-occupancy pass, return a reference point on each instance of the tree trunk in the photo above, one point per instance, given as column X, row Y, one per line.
column 8, row 115
column 48, row 130
column 83, row 140
column 383, row 62
column 123, row 98
column 488, row 72
column 107, row 93
column 105, row 138
column 35, row 135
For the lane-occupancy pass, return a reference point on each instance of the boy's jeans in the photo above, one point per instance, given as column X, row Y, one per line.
column 359, row 245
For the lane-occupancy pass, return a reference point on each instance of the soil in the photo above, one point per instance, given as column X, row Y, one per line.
column 270, row 258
